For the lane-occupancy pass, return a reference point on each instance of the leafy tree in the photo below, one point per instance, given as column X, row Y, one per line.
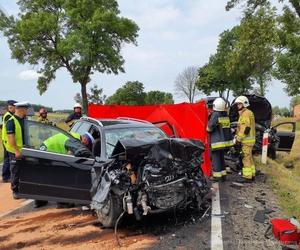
column 96, row 95
column 132, row 93
column 254, row 48
column 216, row 76
column 287, row 67
column 295, row 101
column 252, row 5
column 82, row 36
column 276, row 110
column 288, row 60
column 185, row 83
column 158, row 97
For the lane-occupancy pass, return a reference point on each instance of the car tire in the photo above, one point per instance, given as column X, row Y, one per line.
column 112, row 209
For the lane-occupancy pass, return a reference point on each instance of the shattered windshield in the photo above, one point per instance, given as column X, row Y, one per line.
column 112, row 136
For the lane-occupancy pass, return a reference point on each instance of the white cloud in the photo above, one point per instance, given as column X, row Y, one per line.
column 27, row 75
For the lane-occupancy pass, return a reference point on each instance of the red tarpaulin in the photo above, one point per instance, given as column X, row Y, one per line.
column 189, row 120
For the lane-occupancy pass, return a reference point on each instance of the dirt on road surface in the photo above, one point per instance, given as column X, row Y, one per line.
column 53, row 228
column 7, row 203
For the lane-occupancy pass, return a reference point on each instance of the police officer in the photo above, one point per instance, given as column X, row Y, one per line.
column 245, row 135
column 43, row 116
column 76, row 115
column 13, row 140
column 220, row 137
column 6, row 116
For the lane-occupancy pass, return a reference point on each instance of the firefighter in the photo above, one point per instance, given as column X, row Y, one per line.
column 220, row 137
column 6, row 166
column 43, row 116
column 76, row 115
column 245, row 135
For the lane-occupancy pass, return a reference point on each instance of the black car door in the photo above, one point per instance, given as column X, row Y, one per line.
column 286, row 133
column 49, row 175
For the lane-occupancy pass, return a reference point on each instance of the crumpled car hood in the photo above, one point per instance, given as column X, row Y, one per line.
column 136, row 150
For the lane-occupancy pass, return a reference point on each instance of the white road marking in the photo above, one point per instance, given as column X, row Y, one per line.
column 216, row 223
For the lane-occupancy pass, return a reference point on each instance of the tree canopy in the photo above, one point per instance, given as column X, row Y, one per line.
column 132, row 93
column 287, row 61
column 217, row 76
column 158, row 97
column 82, row 36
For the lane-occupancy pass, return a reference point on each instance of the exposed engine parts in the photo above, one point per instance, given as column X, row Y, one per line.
column 153, row 177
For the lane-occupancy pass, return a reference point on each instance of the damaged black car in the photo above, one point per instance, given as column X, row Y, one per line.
column 133, row 168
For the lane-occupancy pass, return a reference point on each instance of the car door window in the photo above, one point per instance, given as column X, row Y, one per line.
column 85, row 127
column 76, row 127
column 36, row 133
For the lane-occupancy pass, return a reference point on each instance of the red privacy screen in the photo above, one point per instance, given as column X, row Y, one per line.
column 186, row 119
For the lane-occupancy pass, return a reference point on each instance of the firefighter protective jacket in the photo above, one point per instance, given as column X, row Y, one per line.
column 219, row 130
column 246, row 127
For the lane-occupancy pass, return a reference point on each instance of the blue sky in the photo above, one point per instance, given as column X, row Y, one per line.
column 174, row 34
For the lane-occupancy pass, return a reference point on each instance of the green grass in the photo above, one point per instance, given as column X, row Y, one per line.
column 286, row 182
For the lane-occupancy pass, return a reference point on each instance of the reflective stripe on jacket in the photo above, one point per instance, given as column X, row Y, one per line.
column 3, row 125
column 219, row 130
column 18, row 137
column 246, row 119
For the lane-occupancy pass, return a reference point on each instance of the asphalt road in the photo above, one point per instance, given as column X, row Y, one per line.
column 228, row 225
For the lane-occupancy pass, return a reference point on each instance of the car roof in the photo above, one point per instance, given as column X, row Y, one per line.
column 118, row 123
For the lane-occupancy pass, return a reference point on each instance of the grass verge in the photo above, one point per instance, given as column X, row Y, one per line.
column 286, row 181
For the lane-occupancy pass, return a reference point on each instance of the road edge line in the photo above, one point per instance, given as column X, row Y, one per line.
column 216, row 220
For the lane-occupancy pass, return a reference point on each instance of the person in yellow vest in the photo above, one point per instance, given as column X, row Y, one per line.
column 14, row 139
column 6, row 166
column 220, row 136
column 61, row 143
column 245, row 134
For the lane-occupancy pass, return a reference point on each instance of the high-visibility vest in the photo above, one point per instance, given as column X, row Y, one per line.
column 18, row 137
column 246, row 119
column 3, row 125
column 56, row 143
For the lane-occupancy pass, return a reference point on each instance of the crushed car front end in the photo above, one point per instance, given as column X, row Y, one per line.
column 150, row 177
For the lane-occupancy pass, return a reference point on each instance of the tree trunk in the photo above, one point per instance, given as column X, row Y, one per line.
column 261, row 86
column 84, row 97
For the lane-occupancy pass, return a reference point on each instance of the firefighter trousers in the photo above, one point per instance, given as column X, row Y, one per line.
column 218, row 163
column 248, row 164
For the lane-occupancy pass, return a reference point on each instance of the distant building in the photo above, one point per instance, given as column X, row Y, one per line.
column 296, row 112
column 3, row 111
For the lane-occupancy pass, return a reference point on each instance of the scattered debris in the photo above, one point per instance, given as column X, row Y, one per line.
column 260, row 200
column 289, row 165
column 236, row 184
column 261, row 215
column 248, row 206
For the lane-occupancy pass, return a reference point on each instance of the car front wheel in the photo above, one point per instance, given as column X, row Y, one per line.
column 110, row 212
